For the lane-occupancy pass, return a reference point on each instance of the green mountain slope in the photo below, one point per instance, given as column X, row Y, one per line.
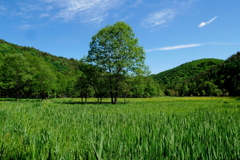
column 219, row 80
column 185, row 71
column 60, row 63
column 30, row 73
column 204, row 77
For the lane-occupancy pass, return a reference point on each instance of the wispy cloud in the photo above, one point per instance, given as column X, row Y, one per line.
column 185, row 3
column 3, row 8
column 64, row 10
column 24, row 10
column 158, row 18
column 96, row 10
column 22, row 14
column 26, row 7
column 174, row 47
column 44, row 15
column 87, row 10
column 137, row 3
column 98, row 19
column 25, row 27
column 30, row 26
column 192, row 45
column 205, row 23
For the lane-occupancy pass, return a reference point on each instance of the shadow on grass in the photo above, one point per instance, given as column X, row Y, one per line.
column 55, row 101
column 20, row 100
column 89, row 103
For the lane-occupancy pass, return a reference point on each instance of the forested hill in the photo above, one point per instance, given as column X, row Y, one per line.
column 26, row 72
column 204, row 77
column 185, row 71
column 221, row 80
column 30, row 73
column 59, row 62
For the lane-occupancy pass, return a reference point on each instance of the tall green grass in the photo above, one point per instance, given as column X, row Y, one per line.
column 163, row 128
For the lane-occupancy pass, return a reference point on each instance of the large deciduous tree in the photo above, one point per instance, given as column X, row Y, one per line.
column 115, row 50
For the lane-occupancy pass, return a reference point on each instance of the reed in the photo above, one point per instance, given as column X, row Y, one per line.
column 159, row 128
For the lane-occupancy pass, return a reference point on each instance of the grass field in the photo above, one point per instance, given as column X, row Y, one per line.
column 151, row 128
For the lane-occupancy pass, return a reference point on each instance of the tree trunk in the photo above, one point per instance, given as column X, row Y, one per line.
column 115, row 99
column 112, row 99
column 111, row 89
column 82, row 99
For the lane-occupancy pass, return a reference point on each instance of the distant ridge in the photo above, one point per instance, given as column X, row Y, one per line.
column 57, row 61
column 204, row 77
column 185, row 71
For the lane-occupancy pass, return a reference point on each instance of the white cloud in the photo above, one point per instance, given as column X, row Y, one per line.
column 22, row 14
column 24, row 7
column 25, row 26
column 67, row 10
column 137, row 3
column 205, row 23
column 98, row 19
column 27, row 7
column 87, row 10
column 175, row 47
column 25, row 10
column 159, row 18
column 192, row 1
column 44, row 15
column 189, row 46
column 3, row 8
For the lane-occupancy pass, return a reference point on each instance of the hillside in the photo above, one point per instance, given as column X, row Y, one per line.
column 27, row 72
column 204, row 77
column 60, row 63
column 185, row 71
column 220, row 80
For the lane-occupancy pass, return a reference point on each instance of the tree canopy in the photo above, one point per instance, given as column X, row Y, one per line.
column 115, row 50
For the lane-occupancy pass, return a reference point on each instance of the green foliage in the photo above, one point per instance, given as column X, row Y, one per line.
column 145, row 87
column 185, row 71
column 219, row 80
column 152, row 128
column 28, row 72
column 115, row 50
column 205, row 77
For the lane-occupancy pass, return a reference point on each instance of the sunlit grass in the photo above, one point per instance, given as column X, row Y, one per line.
column 151, row 128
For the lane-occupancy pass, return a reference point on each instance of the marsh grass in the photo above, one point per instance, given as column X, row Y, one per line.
column 157, row 128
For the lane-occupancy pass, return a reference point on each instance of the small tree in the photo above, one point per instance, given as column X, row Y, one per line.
column 116, row 51
column 96, row 78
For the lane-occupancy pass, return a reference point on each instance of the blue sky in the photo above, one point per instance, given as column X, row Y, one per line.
column 172, row 32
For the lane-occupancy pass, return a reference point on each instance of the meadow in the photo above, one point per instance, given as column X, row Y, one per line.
column 149, row 128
